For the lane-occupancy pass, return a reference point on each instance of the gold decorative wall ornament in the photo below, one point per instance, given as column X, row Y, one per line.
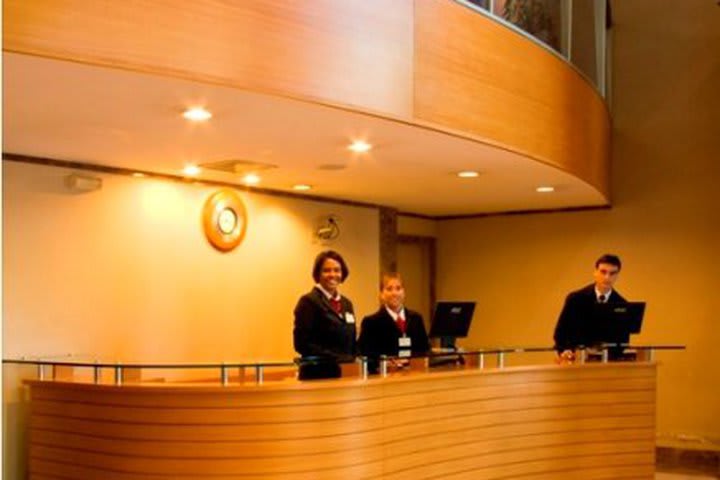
column 224, row 219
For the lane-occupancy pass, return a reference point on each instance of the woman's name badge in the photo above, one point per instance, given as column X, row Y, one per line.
column 404, row 342
column 349, row 317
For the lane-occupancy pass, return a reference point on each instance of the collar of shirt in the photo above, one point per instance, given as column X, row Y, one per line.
column 394, row 314
column 327, row 294
column 607, row 295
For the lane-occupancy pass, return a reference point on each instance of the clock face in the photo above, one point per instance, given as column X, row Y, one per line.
column 224, row 219
column 227, row 221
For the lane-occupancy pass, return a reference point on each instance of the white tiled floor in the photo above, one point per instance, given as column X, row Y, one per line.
column 681, row 476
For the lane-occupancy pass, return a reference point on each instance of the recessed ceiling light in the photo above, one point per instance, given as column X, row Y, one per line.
column 468, row 174
column 546, row 189
column 197, row 114
column 191, row 170
column 359, row 146
column 302, row 187
column 251, row 179
column 138, row 174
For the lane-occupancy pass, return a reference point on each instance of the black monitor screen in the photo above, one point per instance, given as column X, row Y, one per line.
column 452, row 319
column 614, row 322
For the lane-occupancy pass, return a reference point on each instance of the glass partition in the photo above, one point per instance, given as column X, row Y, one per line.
column 85, row 370
column 484, row 4
column 541, row 19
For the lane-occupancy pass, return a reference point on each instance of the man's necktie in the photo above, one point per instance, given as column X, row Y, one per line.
column 401, row 323
column 602, row 299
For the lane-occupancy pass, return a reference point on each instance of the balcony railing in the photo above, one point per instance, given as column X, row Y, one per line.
column 576, row 30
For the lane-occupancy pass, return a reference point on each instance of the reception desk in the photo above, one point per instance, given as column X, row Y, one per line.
column 549, row 421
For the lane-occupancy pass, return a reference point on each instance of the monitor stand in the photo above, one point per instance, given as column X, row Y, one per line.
column 448, row 344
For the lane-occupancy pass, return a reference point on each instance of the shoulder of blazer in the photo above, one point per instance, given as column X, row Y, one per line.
column 317, row 298
column 377, row 317
column 346, row 303
column 413, row 315
column 587, row 291
column 616, row 297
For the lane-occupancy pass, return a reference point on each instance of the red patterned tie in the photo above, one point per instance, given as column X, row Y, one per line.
column 335, row 304
column 401, row 323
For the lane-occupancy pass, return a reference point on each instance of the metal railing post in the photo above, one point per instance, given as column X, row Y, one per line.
column 118, row 375
column 501, row 360
column 363, row 368
column 224, row 375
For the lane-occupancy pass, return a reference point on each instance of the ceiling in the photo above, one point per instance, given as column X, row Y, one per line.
column 102, row 116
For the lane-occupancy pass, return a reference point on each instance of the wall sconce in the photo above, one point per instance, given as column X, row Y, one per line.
column 328, row 228
column 82, row 183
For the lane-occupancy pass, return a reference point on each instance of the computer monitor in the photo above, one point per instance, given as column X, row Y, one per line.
column 451, row 320
column 614, row 322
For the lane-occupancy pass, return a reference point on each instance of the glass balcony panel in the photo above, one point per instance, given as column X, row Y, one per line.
column 484, row 4
column 584, row 51
column 540, row 18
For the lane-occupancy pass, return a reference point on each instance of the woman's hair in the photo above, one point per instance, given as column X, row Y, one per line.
column 320, row 260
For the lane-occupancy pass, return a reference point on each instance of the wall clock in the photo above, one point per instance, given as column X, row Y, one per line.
column 224, row 219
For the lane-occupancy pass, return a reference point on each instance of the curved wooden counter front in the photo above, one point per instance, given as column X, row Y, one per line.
column 591, row 421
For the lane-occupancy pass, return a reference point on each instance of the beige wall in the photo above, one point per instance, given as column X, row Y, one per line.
column 664, row 221
column 127, row 273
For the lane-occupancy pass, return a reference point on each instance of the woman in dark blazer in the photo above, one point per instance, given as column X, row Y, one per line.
column 393, row 330
column 324, row 331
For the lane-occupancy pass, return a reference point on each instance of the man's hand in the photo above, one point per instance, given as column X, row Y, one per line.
column 399, row 363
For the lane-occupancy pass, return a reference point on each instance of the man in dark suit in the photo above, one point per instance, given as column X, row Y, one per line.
column 393, row 330
column 573, row 327
column 324, row 332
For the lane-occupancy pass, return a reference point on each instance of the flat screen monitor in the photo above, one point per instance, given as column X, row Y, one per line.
column 614, row 322
column 452, row 319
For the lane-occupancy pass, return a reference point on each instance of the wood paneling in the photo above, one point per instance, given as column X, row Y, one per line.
column 434, row 63
column 321, row 50
column 478, row 77
column 482, row 81
column 523, row 421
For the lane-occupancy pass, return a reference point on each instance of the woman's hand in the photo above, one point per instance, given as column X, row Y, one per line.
column 566, row 357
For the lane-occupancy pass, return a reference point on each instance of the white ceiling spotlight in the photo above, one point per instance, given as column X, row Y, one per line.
column 191, row 170
column 197, row 114
column 359, row 146
column 468, row 174
column 545, row 189
column 251, row 179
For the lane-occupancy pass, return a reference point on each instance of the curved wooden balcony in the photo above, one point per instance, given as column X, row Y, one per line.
column 431, row 64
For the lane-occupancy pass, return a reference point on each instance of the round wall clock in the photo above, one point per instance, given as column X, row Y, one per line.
column 224, row 219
